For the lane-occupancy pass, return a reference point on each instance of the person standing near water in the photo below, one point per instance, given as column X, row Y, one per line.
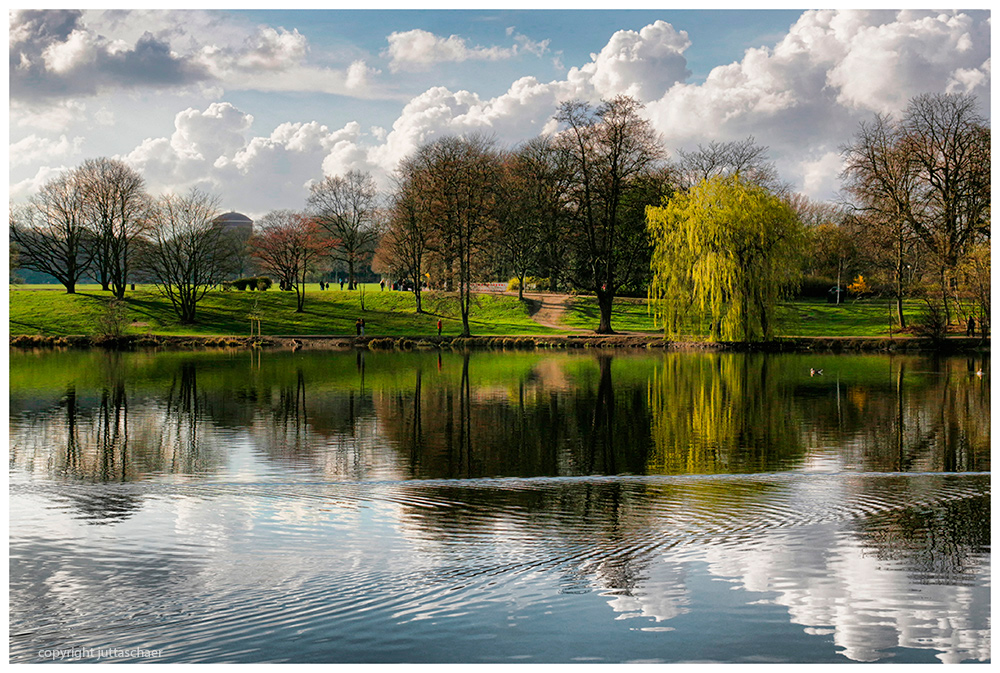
column 357, row 326
column 439, row 327
column 362, row 326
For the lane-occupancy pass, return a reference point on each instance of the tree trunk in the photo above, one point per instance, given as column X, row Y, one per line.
column 416, row 293
column 944, row 299
column 520, row 287
column 605, row 300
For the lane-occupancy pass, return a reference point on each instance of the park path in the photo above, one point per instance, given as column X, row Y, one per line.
column 547, row 309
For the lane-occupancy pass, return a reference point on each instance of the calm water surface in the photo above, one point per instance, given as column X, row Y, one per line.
column 515, row 507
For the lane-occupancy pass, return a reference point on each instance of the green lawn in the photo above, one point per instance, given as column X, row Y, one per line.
column 804, row 317
column 52, row 312
column 49, row 311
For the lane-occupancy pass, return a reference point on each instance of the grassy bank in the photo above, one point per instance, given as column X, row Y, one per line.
column 49, row 311
column 52, row 312
column 801, row 318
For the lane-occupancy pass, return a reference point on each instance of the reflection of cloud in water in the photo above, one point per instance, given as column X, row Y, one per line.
column 831, row 581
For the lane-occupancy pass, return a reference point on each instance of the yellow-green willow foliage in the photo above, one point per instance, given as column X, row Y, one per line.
column 724, row 253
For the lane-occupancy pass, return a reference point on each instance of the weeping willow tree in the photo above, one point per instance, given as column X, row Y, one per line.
column 725, row 252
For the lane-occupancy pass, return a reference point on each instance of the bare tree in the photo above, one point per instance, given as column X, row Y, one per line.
column 743, row 157
column 459, row 182
column 926, row 175
column 289, row 245
column 50, row 231
column 186, row 253
column 346, row 206
column 608, row 150
column 404, row 244
column 117, row 211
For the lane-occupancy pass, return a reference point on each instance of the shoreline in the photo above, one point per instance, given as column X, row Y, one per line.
column 520, row 342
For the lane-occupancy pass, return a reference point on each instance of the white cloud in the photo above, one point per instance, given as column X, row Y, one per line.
column 54, row 118
column 22, row 190
column 640, row 64
column 209, row 149
column 33, row 149
column 820, row 176
column 417, row 49
column 832, row 70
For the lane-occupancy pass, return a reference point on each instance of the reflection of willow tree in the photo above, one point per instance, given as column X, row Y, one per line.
column 449, row 428
column 926, row 414
column 720, row 412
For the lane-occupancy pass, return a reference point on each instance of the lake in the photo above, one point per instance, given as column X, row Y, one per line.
column 519, row 507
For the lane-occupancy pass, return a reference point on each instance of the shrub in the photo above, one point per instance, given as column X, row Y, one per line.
column 114, row 320
column 263, row 283
column 530, row 283
column 931, row 323
column 859, row 287
column 240, row 284
column 227, row 286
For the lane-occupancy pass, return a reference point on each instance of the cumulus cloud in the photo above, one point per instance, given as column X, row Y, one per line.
column 53, row 55
column 210, row 149
column 832, row 69
column 34, row 148
column 802, row 97
column 56, row 55
column 641, row 64
column 419, row 49
column 21, row 191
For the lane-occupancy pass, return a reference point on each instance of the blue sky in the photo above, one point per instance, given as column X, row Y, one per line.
column 255, row 105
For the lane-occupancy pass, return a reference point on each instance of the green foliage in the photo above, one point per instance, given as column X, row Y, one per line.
column 530, row 283
column 253, row 283
column 725, row 253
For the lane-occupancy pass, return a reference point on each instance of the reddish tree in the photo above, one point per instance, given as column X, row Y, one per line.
column 289, row 245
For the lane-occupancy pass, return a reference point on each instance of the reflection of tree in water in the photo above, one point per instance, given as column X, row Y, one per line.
column 454, row 430
column 720, row 413
column 943, row 544
column 605, row 535
column 926, row 414
column 594, row 533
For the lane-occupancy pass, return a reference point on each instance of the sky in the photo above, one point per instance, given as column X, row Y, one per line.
column 256, row 105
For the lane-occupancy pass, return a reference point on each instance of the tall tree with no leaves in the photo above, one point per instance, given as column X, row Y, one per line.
column 289, row 245
column 404, row 244
column 186, row 253
column 927, row 174
column 460, row 180
column 117, row 209
column 50, row 231
column 608, row 150
column 346, row 207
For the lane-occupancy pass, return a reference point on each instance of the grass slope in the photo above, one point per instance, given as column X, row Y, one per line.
column 52, row 312
column 801, row 318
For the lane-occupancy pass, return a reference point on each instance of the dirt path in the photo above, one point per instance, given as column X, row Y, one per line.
column 547, row 309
